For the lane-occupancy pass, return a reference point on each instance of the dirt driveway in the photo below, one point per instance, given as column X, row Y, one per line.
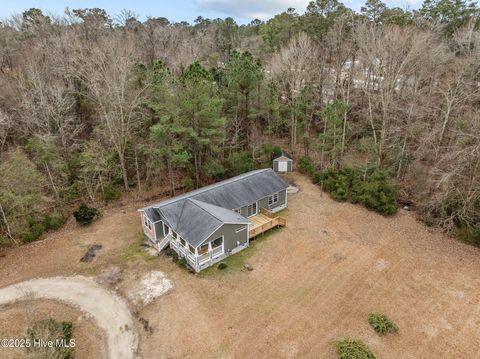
column 317, row 280
column 110, row 312
column 314, row 281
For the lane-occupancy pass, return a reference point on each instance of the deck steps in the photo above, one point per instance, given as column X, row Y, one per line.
column 163, row 243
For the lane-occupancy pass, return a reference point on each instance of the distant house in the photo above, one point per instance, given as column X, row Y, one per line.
column 283, row 162
column 213, row 222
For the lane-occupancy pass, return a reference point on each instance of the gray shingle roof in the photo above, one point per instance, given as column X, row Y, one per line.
column 197, row 214
column 152, row 214
column 195, row 221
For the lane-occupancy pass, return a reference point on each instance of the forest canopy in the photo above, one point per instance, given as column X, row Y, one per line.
column 93, row 105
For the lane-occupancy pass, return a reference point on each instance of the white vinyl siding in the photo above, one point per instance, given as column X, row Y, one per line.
column 282, row 166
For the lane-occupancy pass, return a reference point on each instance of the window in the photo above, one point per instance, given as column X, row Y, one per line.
column 147, row 222
column 217, row 242
column 273, row 199
column 242, row 228
column 252, row 209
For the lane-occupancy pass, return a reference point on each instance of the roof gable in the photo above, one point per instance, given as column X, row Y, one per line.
column 283, row 154
column 197, row 214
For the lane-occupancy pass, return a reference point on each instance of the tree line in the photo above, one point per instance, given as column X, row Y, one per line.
column 93, row 105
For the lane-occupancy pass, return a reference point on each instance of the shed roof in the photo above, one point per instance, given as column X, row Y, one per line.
column 195, row 215
column 283, row 154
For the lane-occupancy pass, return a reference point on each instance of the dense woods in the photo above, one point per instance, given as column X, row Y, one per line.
column 93, row 105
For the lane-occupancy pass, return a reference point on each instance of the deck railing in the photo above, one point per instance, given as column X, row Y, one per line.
column 274, row 222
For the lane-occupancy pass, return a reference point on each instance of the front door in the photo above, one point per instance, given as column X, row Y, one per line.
column 282, row 166
column 166, row 229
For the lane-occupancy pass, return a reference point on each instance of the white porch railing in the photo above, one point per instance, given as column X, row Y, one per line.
column 163, row 243
column 216, row 252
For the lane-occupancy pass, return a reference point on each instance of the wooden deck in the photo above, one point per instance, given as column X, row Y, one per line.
column 263, row 222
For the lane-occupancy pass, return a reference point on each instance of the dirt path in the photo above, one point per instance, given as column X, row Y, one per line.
column 110, row 312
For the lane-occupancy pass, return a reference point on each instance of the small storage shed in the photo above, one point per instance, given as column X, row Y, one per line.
column 283, row 162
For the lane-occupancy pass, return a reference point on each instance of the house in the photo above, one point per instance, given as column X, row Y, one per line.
column 208, row 224
column 283, row 162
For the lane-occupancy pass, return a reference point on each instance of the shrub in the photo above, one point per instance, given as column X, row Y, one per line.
column 5, row 241
column 381, row 323
column 110, row 193
column 240, row 162
column 188, row 183
column 305, row 165
column 379, row 193
column 353, row 349
column 222, row 266
column 375, row 189
column 277, row 151
column 85, row 215
column 50, row 330
column 33, row 231
column 53, row 221
column 215, row 170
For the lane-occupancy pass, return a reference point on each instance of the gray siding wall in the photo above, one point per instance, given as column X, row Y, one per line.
column 159, row 230
column 263, row 203
column 229, row 235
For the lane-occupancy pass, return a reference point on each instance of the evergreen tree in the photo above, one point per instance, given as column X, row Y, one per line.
column 199, row 110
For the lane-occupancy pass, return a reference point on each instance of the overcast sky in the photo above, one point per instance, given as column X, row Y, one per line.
column 177, row 10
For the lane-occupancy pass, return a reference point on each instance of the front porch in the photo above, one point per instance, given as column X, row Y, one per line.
column 263, row 222
column 203, row 256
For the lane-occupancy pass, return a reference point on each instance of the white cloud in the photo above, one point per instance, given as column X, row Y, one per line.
column 251, row 9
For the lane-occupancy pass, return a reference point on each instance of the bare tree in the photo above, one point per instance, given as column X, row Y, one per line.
column 108, row 72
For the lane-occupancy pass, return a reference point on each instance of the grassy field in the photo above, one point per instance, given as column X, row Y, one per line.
column 313, row 283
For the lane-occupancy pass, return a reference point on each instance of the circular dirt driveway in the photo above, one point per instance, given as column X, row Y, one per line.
column 110, row 312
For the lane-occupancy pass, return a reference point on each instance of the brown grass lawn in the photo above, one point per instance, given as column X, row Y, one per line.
column 314, row 281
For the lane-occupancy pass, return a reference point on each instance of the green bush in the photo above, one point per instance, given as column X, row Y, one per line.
column 50, row 330
column 72, row 192
column 239, row 163
column 305, row 165
column 353, row 349
column 33, row 231
column 110, row 193
column 277, row 151
column 215, row 170
column 85, row 215
column 222, row 266
column 381, row 323
column 378, row 192
column 53, row 221
column 5, row 241
column 375, row 189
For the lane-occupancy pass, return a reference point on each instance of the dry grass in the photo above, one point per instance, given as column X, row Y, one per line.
column 313, row 282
